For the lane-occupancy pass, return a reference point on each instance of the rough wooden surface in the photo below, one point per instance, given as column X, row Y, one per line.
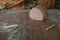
column 37, row 30
column 13, row 4
column 33, row 30
column 3, row 36
column 47, row 3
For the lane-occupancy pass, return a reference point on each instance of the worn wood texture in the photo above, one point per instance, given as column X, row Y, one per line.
column 19, row 6
column 37, row 31
column 12, row 4
column 34, row 30
column 47, row 3
column 3, row 36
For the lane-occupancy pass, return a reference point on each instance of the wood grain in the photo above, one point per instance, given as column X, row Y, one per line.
column 47, row 3
column 3, row 36
column 13, row 4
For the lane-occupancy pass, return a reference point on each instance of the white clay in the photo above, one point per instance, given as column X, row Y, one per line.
column 36, row 14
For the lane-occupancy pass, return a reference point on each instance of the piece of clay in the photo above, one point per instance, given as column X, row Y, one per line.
column 37, row 13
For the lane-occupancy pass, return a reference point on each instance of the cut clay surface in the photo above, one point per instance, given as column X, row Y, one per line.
column 36, row 14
